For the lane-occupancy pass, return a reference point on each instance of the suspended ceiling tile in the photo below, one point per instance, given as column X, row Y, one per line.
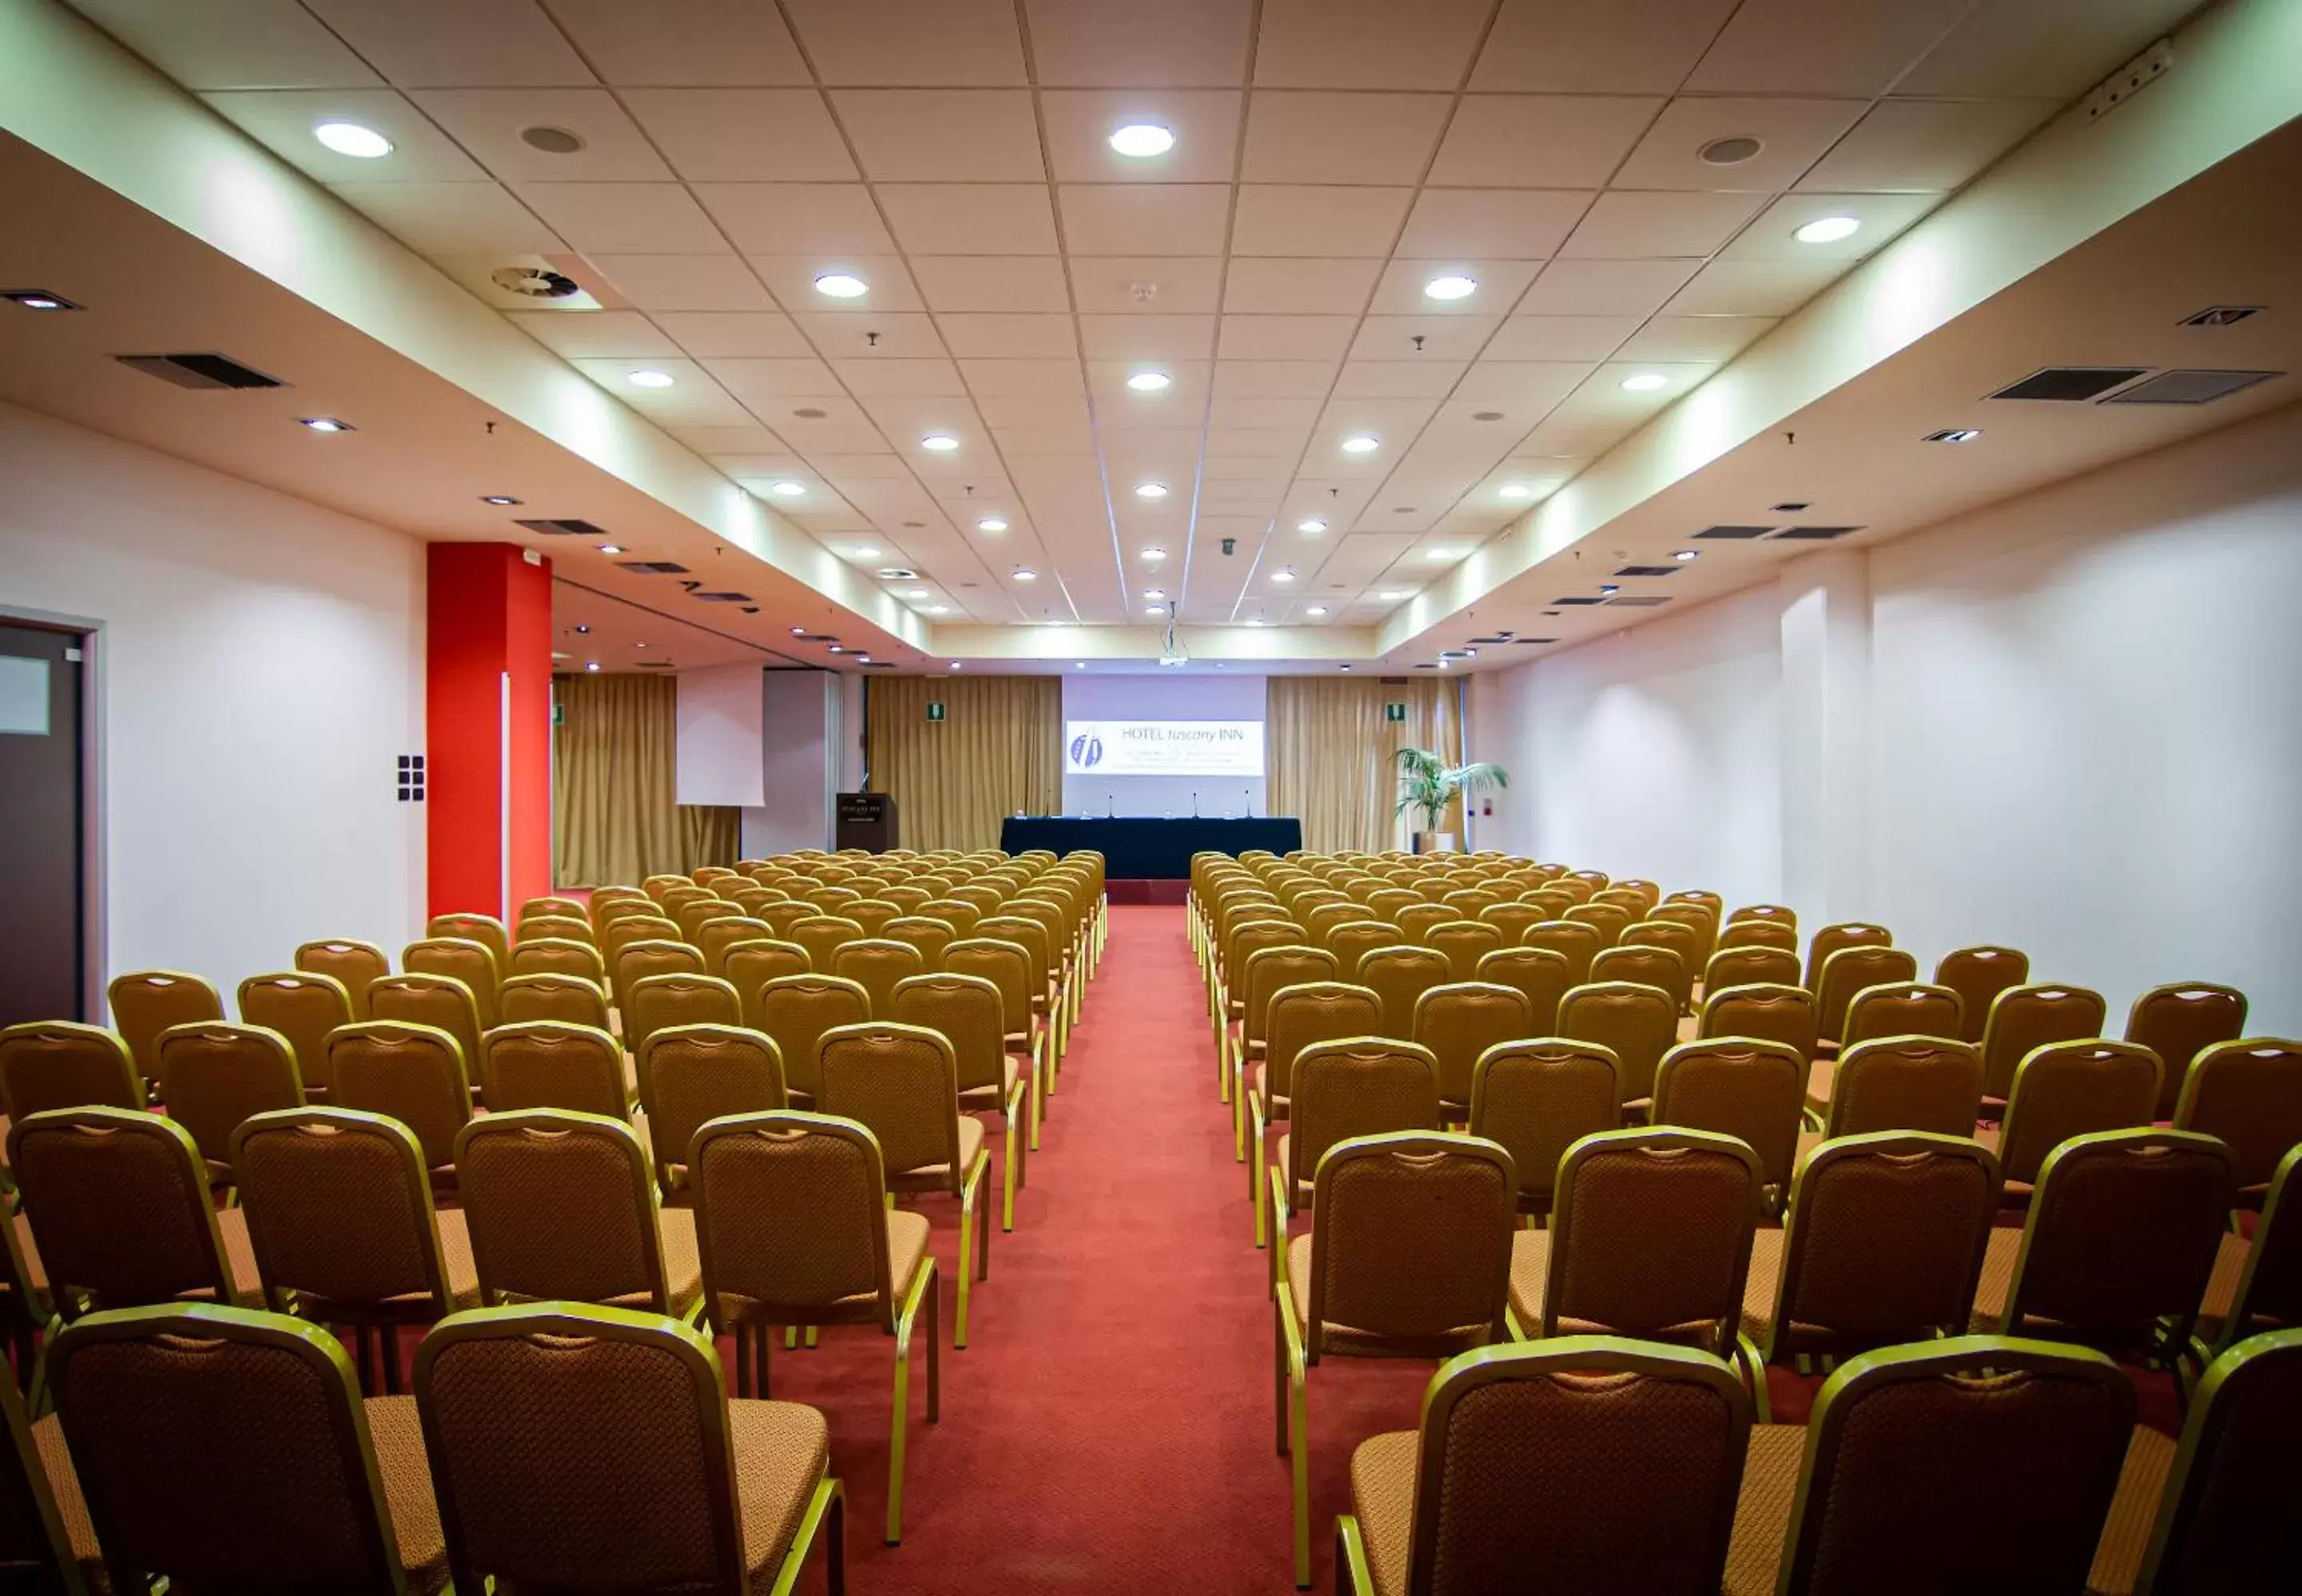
column 1320, row 222
column 673, row 43
column 1573, row 338
column 1432, row 378
column 1920, row 146
column 1146, row 285
column 429, row 44
column 1009, row 336
column 1772, row 235
column 910, row 41
column 1500, row 283
column 248, row 44
column 1768, row 288
column 878, row 377
column 1288, row 337
column 1822, row 47
column 1123, row 42
column 451, row 218
column 1365, row 138
column 1713, row 338
column 1409, row 336
column 1117, row 219
column 989, row 377
column 1630, row 225
column 610, row 334
column 282, row 120
column 1080, row 123
column 1793, row 134
column 2045, row 49
column 489, row 122
column 744, row 135
column 1151, row 338
column 685, row 281
column 943, row 135
column 791, row 278
column 992, row 282
column 1274, row 285
column 1492, row 224
column 626, row 218
column 797, row 218
column 911, row 337
column 1367, row 44
column 1606, row 287
column 1597, row 46
column 1540, row 141
column 970, row 218
column 711, row 333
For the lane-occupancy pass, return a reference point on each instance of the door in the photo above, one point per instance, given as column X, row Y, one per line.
column 42, row 859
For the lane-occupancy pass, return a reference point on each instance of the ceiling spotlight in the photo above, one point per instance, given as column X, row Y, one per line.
column 1313, row 526
column 611, row 548
column 1155, row 592
column 581, row 629
column 498, row 499
column 1155, row 554
column 799, row 631
column 1254, row 620
column 1141, row 140
column 325, row 423
column 1024, row 574
column 1390, row 595
column 351, row 138
column 1150, row 490
column 954, row 664
column 1282, row 576
column 1453, row 286
column 38, row 299
column 1683, row 555
column 1827, row 230
column 992, row 523
column 1316, row 610
column 1645, row 382
column 1155, row 610
column 939, row 609
column 841, row 285
column 1361, row 443
column 786, row 489
column 1078, row 664
column 837, row 649
column 941, row 443
column 1516, row 491
column 649, row 379
column 917, row 592
column 639, row 645
column 1954, row 435
column 1149, row 382
column 591, row 665
column 1608, row 590
column 1439, row 555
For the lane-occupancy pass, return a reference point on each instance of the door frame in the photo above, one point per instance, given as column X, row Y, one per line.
column 93, row 975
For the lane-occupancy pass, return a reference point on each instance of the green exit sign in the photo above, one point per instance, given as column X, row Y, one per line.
column 1394, row 711
column 558, row 713
column 935, row 709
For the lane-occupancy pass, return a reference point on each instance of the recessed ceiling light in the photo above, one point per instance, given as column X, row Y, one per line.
column 837, row 649
column 1149, row 382
column 1254, row 620
column 498, row 499
column 1436, row 554
column 799, row 631
column 1516, row 491
column 351, row 138
column 1024, row 574
column 896, row 574
column 1282, row 576
column 992, row 523
column 1155, row 592
column 1644, row 382
column 841, row 285
column 1316, row 610
column 1312, row 527
column 917, row 592
column 582, row 629
column 38, row 299
column 649, row 379
column 1683, row 555
column 591, row 665
column 941, row 443
column 1078, row 664
column 639, row 645
column 954, row 664
column 1141, row 140
column 939, row 609
column 1150, row 490
column 863, row 551
column 1954, row 435
column 1390, row 594
column 1361, row 443
column 611, row 548
column 1155, row 554
column 1153, row 609
column 1608, row 589
column 1827, row 230
column 325, row 423
column 1453, row 285
column 787, row 490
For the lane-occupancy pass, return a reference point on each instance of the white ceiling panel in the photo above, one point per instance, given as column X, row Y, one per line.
column 233, row 44
column 1181, row 43
column 1527, row 387
column 1399, row 379
column 1289, row 338
column 943, row 135
column 1926, row 144
column 676, row 43
column 692, row 399
column 750, row 379
column 1822, row 47
column 282, row 121
column 1713, row 338
column 612, row 334
column 440, row 44
column 1149, row 338
column 1302, row 138
column 1766, row 287
column 452, row 218
column 1277, row 286
column 837, row 334
column 1606, row 287
column 1080, row 122
column 685, row 281
column 1540, row 141
column 1177, row 405
column 2051, row 49
column 970, row 218
column 797, row 218
column 1560, row 336
column 744, row 135
column 992, row 282
column 1416, row 337
column 1146, row 285
column 883, row 376
column 1792, row 136
column 791, row 278
column 489, row 122
column 1009, row 336
column 1281, row 220
column 1274, row 379
column 1367, row 44
column 1116, row 219
column 1022, row 378
column 712, row 333
column 909, row 41
column 1626, row 224
column 1597, row 46
column 626, row 218
column 1490, row 224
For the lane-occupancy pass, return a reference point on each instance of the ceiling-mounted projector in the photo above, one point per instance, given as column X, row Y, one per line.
column 1171, row 652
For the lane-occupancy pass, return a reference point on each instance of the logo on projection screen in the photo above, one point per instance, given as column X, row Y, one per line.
column 1163, row 748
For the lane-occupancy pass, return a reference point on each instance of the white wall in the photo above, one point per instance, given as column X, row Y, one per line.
column 1164, row 695
column 803, row 719
column 719, row 727
column 262, row 667
column 2077, row 716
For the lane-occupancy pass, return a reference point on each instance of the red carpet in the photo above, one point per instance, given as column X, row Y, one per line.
column 1109, row 1428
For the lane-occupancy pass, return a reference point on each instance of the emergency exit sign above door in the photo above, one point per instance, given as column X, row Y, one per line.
column 935, row 709
column 1394, row 711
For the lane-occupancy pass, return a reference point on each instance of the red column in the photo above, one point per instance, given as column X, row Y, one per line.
column 488, row 714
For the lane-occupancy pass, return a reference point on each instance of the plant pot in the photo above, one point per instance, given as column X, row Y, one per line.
column 1436, row 842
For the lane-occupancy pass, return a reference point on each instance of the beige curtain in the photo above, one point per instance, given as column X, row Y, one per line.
column 997, row 751
column 614, row 816
column 1330, row 751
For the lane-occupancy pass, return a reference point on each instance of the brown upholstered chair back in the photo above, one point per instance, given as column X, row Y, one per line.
column 2068, row 1089
column 1648, row 966
column 1609, row 919
column 965, row 1010
column 148, row 1002
column 417, row 1001
column 546, row 927
column 657, row 1003
column 485, row 929
column 1978, row 974
column 2227, row 1522
column 119, row 1207
column 561, row 1207
column 546, row 1064
column 1459, row 1021
column 412, row 1073
column 1742, row 1087
column 2178, row 1022
column 2250, row 1094
column 561, row 999
column 1749, row 967
column 691, row 1074
column 555, row 955
column 60, row 1064
column 1269, row 968
column 1759, row 933
column 460, row 958
column 929, row 935
column 1399, row 976
column 1578, row 942
column 901, row 1082
column 2023, row 1018
column 1852, row 969
column 216, row 1074
column 1636, row 1023
column 1539, row 975
column 1412, row 1240
column 789, row 1217
column 1313, row 1012
column 1829, row 939
column 354, row 963
column 1786, row 1014
column 1537, row 1098
column 1906, row 1083
column 340, row 1213
column 823, row 936
column 715, row 937
column 1903, row 1009
column 303, row 1008
column 1352, row 1086
column 796, row 1010
column 1463, row 941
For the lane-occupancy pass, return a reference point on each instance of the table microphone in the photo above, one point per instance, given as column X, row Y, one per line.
column 1195, row 805
column 1247, row 803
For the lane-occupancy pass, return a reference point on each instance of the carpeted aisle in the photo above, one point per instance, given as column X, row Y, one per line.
column 1110, row 1426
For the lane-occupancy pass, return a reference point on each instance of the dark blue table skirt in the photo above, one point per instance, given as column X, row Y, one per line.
column 1136, row 848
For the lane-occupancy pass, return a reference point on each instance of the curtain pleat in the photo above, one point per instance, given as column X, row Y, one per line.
column 616, row 815
column 1331, row 753
column 997, row 751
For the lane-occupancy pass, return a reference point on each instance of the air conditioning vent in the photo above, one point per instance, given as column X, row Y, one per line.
column 1734, row 531
column 1641, row 603
column 199, row 371
column 1579, row 600
column 1648, row 571
column 1497, row 638
column 1534, row 640
column 813, row 637
column 566, row 527
column 1426, row 667
column 723, row 598
column 653, row 568
column 2190, row 387
column 2068, row 383
column 1810, row 535
column 879, row 665
column 655, row 665
column 2219, row 316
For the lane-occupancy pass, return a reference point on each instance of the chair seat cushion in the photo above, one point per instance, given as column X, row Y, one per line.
column 683, row 1262
column 2222, row 1286
column 399, row 1436
column 1763, row 1510
column 1530, row 1277
column 1760, row 1286
column 1383, row 1495
column 2133, row 1510
column 941, row 1177
column 1990, row 1292
column 232, row 1229
column 71, row 1507
column 1819, row 1076
column 907, row 1246
column 782, row 1449
column 993, row 1099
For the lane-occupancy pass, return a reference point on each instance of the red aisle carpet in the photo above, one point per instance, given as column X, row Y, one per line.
column 1110, row 1426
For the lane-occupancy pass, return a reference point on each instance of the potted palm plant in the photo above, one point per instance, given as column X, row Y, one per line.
column 1428, row 784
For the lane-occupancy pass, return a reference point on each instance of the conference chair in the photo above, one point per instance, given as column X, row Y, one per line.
column 1636, row 1023
column 1299, row 1016
column 2248, row 1094
column 1350, row 940
column 2115, row 1251
column 2256, row 1284
column 1698, row 918
column 1749, row 967
column 550, row 907
column 630, row 929
column 548, row 1063
column 637, row 960
column 1553, row 900
column 215, row 1074
column 2181, row 1020
column 1901, row 1008
column 793, row 1217
column 750, row 966
column 1513, row 919
column 1043, row 1014
column 1398, row 977
column 1912, row 1083
column 415, row 1074
column 1463, row 941
column 1689, row 946
column 1625, row 1462
column 461, row 959
column 1882, row 1244
column 1386, row 902
column 554, row 955
column 118, row 1213
column 438, row 1003
column 1647, row 966
column 60, row 1064
column 1834, row 938
column 1629, row 900
column 782, row 917
column 1409, row 1256
column 877, row 964
column 1537, row 1098
column 716, row 936
column 2065, row 1089
column 569, row 999
column 1772, row 1013
column 1924, row 1468
column 1347, row 1088
column 1707, row 900
column 1537, row 974
column 551, row 927
column 2023, row 1018
column 1459, row 1021
column 966, row 1012
column 561, row 1207
column 901, row 1082
column 1851, row 971
column 354, row 963
column 1007, row 966
column 219, row 1448
column 737, row 1492
column 148, row 1002
column 795, row 1011
column 1759, row 933
column 1978, row 974
column 303, row 1008
column 957, row 914
column 690, row 1075
column 871, row 913
column 661, row 885
column 1611, row 921
column 1573, row 940
column 1268, row 970
column 694, row 916
column 823, row 936
column 654, row 1002
column 1417, row 921
column 485, row 929
column 1752, row 1090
